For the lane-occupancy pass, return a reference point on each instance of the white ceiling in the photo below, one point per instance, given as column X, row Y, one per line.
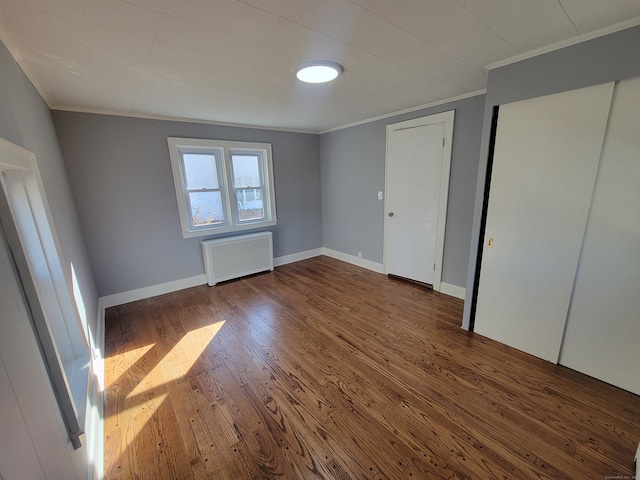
column 231, row 61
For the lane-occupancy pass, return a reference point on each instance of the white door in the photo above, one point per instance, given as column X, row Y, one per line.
column 417, row 181
column 602, row 337
column 544, row 166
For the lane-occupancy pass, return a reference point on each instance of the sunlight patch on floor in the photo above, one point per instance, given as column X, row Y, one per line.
column 179, row 360
column 125, row 360
column 147, row 397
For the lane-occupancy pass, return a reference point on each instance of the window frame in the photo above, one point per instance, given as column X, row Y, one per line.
column 223, row 151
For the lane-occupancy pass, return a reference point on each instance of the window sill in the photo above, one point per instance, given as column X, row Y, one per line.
column 77, row 372
column 231, row 228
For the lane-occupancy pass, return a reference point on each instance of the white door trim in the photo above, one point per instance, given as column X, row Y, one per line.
column 31, row 236
column 448, row 119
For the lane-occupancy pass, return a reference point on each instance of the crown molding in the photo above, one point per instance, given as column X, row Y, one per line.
column 166, row 118
column 407, row 110
column 618, row 27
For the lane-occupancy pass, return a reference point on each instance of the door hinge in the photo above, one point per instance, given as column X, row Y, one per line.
column 443, row 140
column 434, row 266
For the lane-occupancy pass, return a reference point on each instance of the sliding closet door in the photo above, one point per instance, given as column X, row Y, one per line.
column 545, row 160
column 602, row 337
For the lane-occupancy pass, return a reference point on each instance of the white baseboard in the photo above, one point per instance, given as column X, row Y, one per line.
column 446, row 288
column 453, row 290
column 152, row 291
column 175, row 285
column 296, row 257
column 352, row 259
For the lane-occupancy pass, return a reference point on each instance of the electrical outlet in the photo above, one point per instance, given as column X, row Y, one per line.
column 379, row 195
column 359, row 254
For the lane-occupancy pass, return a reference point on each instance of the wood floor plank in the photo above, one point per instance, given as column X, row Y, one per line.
column 321, row 369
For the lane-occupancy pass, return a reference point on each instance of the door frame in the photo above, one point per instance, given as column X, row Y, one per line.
column 447, row 118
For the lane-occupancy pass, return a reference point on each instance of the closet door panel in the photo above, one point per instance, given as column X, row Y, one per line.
column 602, row 337
column 545, row 160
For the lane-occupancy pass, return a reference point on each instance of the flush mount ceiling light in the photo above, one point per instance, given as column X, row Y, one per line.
column 318, row 71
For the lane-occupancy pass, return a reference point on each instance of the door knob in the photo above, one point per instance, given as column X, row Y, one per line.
column 391, row 214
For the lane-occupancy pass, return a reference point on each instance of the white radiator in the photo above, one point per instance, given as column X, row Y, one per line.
column 235, row 257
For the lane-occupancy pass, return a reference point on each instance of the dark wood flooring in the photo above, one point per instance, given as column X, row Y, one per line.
column 321, row 369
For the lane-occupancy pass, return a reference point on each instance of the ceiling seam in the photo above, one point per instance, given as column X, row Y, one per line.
column 146, row 61
column 568, row 17
column 291, row 53
column 354, row 46
column 231, row 35
column 128, row 2
column 491, row 29
column 93, row 76
column 415, row 36
column 54, row 103
column 12, row 44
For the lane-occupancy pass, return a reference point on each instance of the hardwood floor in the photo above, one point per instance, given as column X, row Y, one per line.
column 321, row 369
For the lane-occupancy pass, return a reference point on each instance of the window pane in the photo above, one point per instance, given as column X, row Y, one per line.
column 206, row 208
column 250, row 204
column 200, row 171
column 246, row 171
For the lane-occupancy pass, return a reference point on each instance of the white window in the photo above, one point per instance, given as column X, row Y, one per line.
column 222, row 186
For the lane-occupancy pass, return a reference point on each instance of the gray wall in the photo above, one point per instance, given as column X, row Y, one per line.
column 25, row 120
column 120, row 174
column 353, row 169
column 605, row 59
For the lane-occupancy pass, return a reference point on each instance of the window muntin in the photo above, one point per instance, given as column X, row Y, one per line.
column 222, row 186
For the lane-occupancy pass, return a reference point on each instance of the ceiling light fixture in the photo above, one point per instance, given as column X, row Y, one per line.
column 318, row 71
